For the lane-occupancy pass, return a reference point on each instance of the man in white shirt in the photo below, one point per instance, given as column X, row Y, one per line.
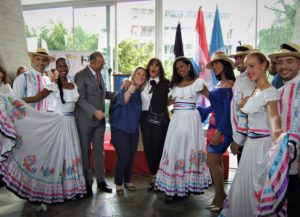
column 288, row 66
column 242, row 87
column 30, row 83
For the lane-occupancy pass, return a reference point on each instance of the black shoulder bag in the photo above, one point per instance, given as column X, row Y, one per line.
column 154, row 118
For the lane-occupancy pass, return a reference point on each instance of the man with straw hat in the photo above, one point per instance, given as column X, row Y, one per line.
column 242, row 87
column 31, row 82
column 288, row 66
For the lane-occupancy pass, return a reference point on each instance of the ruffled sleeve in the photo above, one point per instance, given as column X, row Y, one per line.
column 51, row 86
column 198, row 85
column 188, row 91
column 255, row 103
column 69, row 95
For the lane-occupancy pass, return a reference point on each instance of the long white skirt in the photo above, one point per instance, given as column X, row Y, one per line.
column 183, row 169
column 45, row 164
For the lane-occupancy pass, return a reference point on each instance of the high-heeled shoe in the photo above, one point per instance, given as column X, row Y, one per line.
column 210, row 206
column 151, row 186
column 216, row 209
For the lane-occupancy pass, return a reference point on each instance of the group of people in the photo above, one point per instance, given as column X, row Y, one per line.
column 43, row 152
column 49, row 161
column 265, row 122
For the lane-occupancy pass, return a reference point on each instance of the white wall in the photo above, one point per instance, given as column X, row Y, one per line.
column 13, row 47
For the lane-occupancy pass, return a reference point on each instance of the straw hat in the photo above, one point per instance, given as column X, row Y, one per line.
column 41, row 52
column 242, row 50
column 286, row 49
column 220, row 55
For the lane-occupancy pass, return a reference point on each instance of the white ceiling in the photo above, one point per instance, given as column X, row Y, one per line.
column 41, row 4
column 33, row 2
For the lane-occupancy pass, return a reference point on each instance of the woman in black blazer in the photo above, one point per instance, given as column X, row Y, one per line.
column 154, row 100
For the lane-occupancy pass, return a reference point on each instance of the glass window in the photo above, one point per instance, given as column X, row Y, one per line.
column 40, row 25
column 72, row 33
column 135, row 34
column 238, row 22
column 275, row 23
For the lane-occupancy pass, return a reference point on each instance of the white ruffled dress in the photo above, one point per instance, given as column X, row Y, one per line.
column 45, row 164
column 242, row 199
column 182, row 168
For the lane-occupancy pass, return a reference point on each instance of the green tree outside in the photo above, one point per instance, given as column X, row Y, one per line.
column 55, row 37
column 282, row 28
column 59, row 38
column 132, row 54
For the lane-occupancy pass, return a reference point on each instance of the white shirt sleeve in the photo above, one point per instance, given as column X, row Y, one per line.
column 18, row 87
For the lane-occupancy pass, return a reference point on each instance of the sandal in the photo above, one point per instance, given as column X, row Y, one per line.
column 210, row 206
column 216, row 209
column 119, row 190
column 151, row 186
column 129, row 187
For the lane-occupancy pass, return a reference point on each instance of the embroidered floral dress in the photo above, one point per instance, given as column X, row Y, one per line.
column 182, row 169
column 45, row 164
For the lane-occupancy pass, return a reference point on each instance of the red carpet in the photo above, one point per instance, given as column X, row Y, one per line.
column 140, row 164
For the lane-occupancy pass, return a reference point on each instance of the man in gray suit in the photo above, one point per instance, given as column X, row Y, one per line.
column 90, row 119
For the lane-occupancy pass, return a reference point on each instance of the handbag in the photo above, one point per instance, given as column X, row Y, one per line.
column 113, row 102
column 154, row 118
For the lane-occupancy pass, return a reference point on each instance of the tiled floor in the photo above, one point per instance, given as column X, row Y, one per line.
column 140, row 203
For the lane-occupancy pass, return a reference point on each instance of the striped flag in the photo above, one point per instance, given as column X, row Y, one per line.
column 201, row 55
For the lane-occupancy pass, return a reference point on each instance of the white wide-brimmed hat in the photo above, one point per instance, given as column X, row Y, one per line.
column 242, row 50
column 41, row 52
column 286, row 49
column 220, row 55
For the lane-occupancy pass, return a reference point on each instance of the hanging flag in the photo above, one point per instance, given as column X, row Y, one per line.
column 201, row 55
column 178, row 46
column 216, row 42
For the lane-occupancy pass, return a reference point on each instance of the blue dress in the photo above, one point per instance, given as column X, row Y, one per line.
column 220, row 99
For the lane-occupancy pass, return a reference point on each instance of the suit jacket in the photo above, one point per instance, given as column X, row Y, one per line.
column 91, row 97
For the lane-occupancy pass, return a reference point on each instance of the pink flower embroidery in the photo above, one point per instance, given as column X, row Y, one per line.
column 17, row 103
column 210, row 134
column 179, row 165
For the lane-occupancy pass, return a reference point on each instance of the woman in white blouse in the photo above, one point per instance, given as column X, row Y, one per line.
column 5, row 87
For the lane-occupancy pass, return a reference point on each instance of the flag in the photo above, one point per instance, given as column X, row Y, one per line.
column 216, row 42
column 178, row 46
column 201, row 55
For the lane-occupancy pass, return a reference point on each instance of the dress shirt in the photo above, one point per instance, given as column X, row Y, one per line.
column 146, row 96
column 288, row 108
column 242, row 87
column 29, row 84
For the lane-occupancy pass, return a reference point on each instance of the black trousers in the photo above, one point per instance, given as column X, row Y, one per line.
column 125, row 145
column 153, row 140
column 293, row 196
